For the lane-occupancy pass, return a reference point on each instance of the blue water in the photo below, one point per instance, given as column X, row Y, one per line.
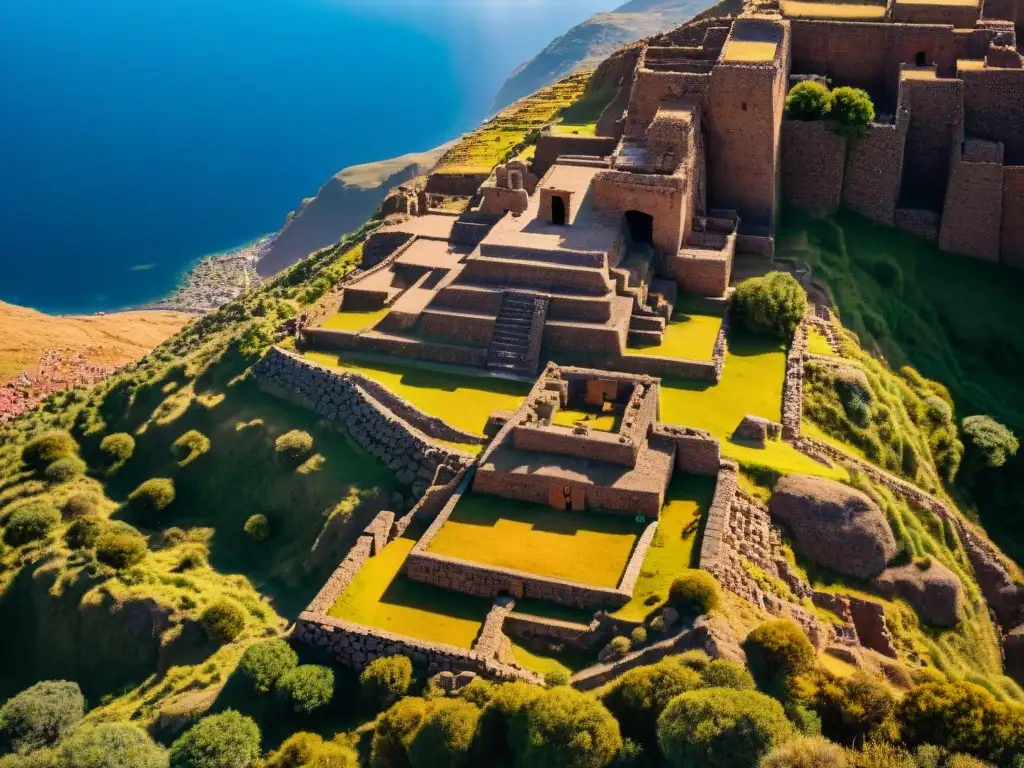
column 138, row 135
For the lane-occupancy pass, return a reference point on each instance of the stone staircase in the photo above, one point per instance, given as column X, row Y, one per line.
column 515, row 343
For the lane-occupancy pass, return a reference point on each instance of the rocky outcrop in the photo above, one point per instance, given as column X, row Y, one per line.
column 934, row 592
column 872, row 628
column 834, row 525
column 1013, row 649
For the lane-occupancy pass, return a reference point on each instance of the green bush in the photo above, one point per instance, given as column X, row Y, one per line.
column 638, row 636
column 808, row 100
column 478, row 692
column 445, row 736
column 152, row 496
column 696, row 660
column 772, row 305
column 225, row 740
column 78, row 506
column 64, row 470
column 394, row 729
column 958, row 716
column 120, row 549
column 853, row 110
column 294, row 445
column 30, row 521
column 264, row 662
column 852, row 710
column 110, row 745
column 386, row 680
column 638, row 697
column 40, row 716
column 987, row 445
column 117, row 449
column 807, row 752
column 257, row 527
column 695, row 592
column 568, row 729
column 726, row 674
column 306, row 688
column 47, row 448
column 309, row 750
column 223, row 621
column 83, row 532
column 721, row 728
column 937, row 410
column 777, row 651
column 190, row 446
column 556, row 677
column 503, row 725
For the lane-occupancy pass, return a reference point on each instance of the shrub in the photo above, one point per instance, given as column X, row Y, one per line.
column 306, row 688
column 556, row 677
column 773, row 305
column 776, row 652
column 658, row 624
column 294, row 445
column 641, row 694
column 223, row 621
column 619, row 645
column 725, row 674
column 631, row 755
column 721, row 728
column 47, row 448
column 987, row 445
column 478, row 692
column 638, row 636
column 959, row 716
column 263, row 663
column 117, row 449
column 308, row 750
column 889, row 275
column 83, row 532
column 152, row 496
column 695, row 660
column 225, row 740
column 30, row 521
column 192, row 557
column 386, row 680
column 808, row 100
column 110, row 745
column 807, row 752
column 394, row 729
column 78, row 506
column 64, row 470
column 190, row 446
column 120, row 549
column 568, row 729
column 937, row 410
column 695, row 592
column 853, row 110
column 172, row 536
column 503, row 725
column 851, row 709
column 445, row 736
column 257, row 527
column 40, row 716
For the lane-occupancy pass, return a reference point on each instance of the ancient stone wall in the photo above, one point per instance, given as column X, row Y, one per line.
column 703, row 276
column 550, row 147
column 936, row 127
column 994, row 108
column 874, row 165
column 850, row 53
column 813, row 160
column 327, row 339
column 667, row 367
column 973, row 209
column 1011, row 246
column 457, row 327
column 570, row 337
column 922, row 222
column 960, row 16
column 697, row 452
column 380, row 245
column 664, row 198
column 651, row 89
column 455, row 184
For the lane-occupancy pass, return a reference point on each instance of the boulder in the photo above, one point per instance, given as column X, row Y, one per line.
column 834, row 525
column 934, row 592
column 1013, row 649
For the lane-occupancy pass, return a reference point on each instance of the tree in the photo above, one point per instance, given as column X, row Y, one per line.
column 40, row 716
column 445, row 736
column 853, row 709
column 776, row 652
column 120, row 549
column 394, row 730
column 503, row 726
column 225, row 740
column 638, row 697
column 152, row 496
column 30, row 521
column 987, row 445
column 721, row 728
column 110, row 745
column 695, row 592
column 47, row 448
column 386, row 680
column 265, row 662
column 772, row 305
column 306, row 688
column 808, row 100
column 568, row 729
column 117, row 449
column 853, row 110
column 223, row 620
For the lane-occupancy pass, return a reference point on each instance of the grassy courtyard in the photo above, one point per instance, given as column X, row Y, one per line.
column 689, row 335
column 381, row 597
column 605, row 420
column 586, row 547
column 355, row 321
column 817, row 344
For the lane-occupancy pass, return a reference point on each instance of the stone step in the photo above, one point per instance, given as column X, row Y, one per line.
column 644, row 338
column 646, row 323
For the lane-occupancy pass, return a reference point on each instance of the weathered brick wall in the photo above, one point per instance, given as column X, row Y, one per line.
column 324, row 338
column 874, row 165
column 906, row 41
column 698, row 454
column 919, row 221
column 813, row 161
column 851, row 53
column 457, row 184
column 550, row 148
column 380, row 245
column 1011, row 246
column 994, row 108
column 960, row 16
column 665, row 198
column 973, row 210
column 712, row 554
column 651, row 89
column 594, row 446
column 703, row 277
column 664, row 366
column 563, row 336
column 936, row 128
column 460, row 328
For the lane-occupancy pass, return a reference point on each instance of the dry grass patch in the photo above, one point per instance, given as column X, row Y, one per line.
column 813, row 10
column 689, row 335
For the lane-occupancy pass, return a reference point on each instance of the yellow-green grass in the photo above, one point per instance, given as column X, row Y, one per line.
column 607, row 420
column 810, row 429
column 750, row 50
column 815, row 10
column 381, row 597
column 675, row 546
column 817, row 344
column 752, row 383
column 580, row 118
column 586, row 547
column 689, row 335
column 355, row 321
column 567, row 660
column 463, row 400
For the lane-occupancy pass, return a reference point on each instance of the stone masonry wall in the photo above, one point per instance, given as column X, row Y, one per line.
column 973, row 210
column 550, row 147
column 813, row 159
column 874, row 164
column 1011, row 244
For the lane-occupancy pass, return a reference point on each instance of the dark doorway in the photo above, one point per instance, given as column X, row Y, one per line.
column 558, row 211
column 641, row 227
column 919, row 60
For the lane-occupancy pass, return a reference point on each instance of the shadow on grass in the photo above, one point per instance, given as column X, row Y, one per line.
column 486, row 511
column 407, row 593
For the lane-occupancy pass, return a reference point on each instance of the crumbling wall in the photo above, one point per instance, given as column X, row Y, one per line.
column 1011, row 244
column 813, row 161
column 550, row 147
column 651, row 89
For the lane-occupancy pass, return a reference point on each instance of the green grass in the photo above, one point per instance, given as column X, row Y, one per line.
column 581, row 116
column 689, row 335
column 587, row 547
column 355, row 321
column 607, row 420
column 462, row 400
column 545, row 658
column 676, row 545
column 381, row 597
column 817, row 344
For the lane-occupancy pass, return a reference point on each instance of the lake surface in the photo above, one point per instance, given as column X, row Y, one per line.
column 140, row 135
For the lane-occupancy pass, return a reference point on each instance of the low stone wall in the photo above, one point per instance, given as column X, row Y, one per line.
column 528, row 627
column 550, row 147
column 323, row 338
column 667, row 367
column 711, row 548
column 697, row 452
column 455, row 184
column 793, row 391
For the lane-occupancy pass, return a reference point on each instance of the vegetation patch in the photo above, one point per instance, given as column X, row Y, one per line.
column 355, row 320
column 689, row 335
